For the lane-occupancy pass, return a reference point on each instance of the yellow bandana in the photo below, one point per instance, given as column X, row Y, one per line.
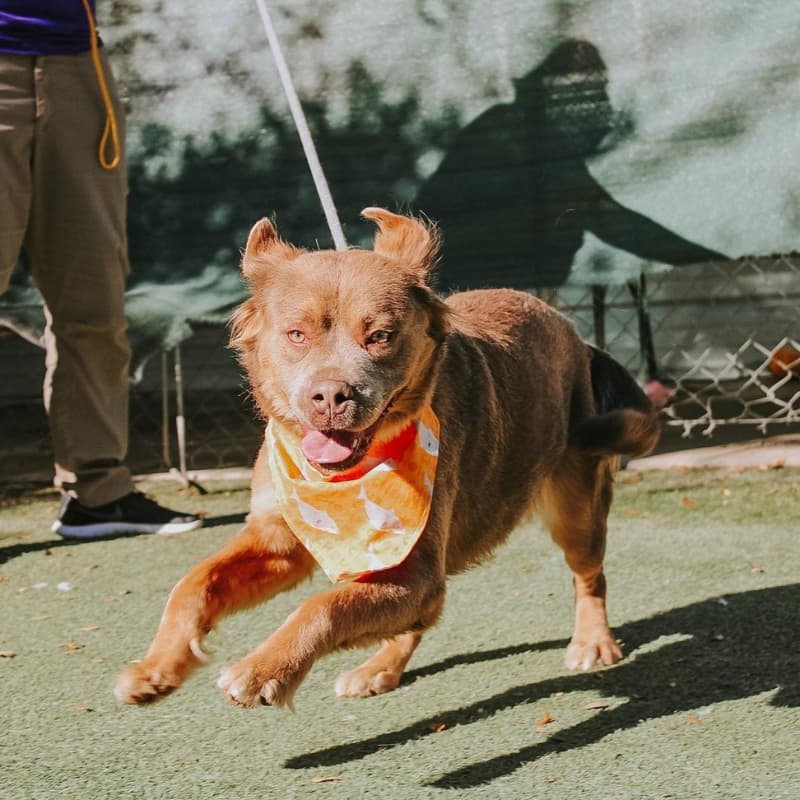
column 364, row 520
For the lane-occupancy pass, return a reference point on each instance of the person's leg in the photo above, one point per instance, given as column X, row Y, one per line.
column 654, row 387
column 17, row 113
column 69, row 218
column 599, row 315
column 76, row 250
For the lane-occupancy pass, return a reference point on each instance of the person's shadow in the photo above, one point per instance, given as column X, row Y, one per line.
column 685, row 660
column 514, row 197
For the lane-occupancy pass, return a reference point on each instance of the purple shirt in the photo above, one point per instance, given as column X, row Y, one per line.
column 43, row 27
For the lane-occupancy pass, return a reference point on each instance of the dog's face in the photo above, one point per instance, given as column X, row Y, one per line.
column 341, row 346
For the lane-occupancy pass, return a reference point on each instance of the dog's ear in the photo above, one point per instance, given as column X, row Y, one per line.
column 440, row 315
column 265, row 248
column 407, row 239
column 245, row 326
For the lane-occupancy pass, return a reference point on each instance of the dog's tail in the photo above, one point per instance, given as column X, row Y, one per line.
column 625, row 421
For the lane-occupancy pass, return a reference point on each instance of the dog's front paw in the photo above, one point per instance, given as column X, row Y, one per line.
column 365, row 682
column 145, row 682
column 158, row 675
column 584, row 654
column 249, row 684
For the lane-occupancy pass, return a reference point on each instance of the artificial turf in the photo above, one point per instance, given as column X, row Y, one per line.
column 703, row 571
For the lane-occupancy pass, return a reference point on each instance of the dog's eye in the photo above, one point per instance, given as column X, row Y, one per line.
column 296, row 337
column 380, row 337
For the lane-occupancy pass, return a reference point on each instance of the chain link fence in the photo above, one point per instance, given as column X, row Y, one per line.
column 210, row 420
column 726, row 336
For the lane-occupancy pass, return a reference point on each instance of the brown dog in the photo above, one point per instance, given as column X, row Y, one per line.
column 344, row 351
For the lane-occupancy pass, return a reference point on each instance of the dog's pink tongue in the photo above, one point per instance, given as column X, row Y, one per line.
column 324, row 449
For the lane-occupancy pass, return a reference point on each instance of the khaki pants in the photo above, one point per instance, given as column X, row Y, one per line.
column 66, row 216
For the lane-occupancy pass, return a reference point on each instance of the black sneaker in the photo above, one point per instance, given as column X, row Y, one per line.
column 133, row 513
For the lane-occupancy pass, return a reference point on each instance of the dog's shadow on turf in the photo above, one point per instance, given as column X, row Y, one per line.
column 727, row 648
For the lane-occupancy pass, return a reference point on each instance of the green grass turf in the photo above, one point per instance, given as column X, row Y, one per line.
column 703, row 591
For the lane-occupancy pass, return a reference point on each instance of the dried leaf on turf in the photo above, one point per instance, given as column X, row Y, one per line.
column 634, row 512
column 688, row 502
column 438, row 727
column 545, row 719
column 88, row 628
column 71, row 647
column 7, row 654
column 596, row 705
column 326, row 779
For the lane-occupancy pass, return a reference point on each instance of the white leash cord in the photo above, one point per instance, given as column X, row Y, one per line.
column 299, row 117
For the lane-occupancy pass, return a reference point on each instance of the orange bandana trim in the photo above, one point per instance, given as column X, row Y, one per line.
column 360, row 521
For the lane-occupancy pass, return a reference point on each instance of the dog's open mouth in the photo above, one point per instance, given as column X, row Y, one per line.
column 336, row 450
column 340, row 450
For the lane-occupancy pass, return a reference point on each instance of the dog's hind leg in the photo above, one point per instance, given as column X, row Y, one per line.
column 575, row 504
column 381, row 672
column 262, row 560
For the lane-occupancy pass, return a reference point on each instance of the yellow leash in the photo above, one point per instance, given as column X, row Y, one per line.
column 110, row 128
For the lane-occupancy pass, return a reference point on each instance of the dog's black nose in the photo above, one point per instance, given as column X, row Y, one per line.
column 330, row 397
